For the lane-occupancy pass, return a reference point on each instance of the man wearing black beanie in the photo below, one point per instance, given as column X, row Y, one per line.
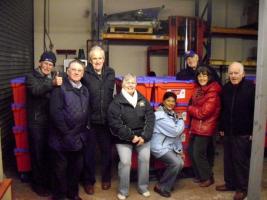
column 39, row 84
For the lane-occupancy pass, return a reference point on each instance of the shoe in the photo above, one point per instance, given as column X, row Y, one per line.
column 206, row 183
column 240, row 195
column 41, row 191
column 121, row 196
column 89, row 189
column 106, row 185
column 161, row 192
column 196, row 180
column 146, row 194
column 223, row 188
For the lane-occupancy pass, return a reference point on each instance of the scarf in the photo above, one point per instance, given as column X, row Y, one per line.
column 131, row 99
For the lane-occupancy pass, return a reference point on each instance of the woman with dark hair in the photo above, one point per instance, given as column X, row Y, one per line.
column 166, row 143
column 204, row 111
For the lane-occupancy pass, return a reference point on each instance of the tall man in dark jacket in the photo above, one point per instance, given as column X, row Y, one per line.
column 39, row 85
column 99, row 80
column 69, row 110
column 236, row 126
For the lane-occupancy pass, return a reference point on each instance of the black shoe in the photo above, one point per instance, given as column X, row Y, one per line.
column 75, row 198
column 161, row 192
column 41, row 191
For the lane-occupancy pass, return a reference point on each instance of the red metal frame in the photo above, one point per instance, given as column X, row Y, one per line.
column 198, row 36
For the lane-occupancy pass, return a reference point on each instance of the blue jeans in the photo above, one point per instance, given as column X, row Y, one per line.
column 174, row 164
column 124, row 167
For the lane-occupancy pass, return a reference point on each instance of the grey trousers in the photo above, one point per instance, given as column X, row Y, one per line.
column 124, row 167
column 174, row 164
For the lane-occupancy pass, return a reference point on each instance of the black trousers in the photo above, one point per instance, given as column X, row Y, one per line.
column 67, row 167
column 38, row 137
column 101, row 136
column 201, row 151
column 237, row 151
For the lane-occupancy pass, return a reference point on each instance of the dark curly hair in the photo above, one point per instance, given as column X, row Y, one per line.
column 169, row 94
column 205, row 70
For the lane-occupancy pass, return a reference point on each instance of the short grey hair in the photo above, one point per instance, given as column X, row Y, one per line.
column 96, row 48
column 76, row 61
column 128, row 77
column 237, row 64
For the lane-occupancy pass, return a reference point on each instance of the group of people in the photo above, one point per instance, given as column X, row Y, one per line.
column 67, row 115
column 70, row 114
column 228, row 110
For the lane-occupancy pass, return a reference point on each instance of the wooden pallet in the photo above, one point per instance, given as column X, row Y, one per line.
column 130, row 29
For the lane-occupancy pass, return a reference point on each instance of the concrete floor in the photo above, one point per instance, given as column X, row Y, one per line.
column 185, row 189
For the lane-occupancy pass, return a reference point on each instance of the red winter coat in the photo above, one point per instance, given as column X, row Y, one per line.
column 205, row 109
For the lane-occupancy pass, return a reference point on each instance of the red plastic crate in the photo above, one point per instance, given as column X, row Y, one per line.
column 182, row 109
column 186, row 136
column 183, row 89
column 158, row 164
column 21, row 137
column 19, row 90
column 134, row 160
column 23, row 159
column 187, row 161
column 19, row 114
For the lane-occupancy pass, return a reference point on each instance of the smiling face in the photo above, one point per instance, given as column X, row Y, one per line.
column 129, row 85
column 46, row 67
column 97, row 60
column 192, row 61
column 169, row 103
column 203, row 79
column 236, row 73
column 75, row 72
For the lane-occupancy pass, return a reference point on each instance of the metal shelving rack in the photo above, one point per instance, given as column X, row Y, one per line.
column 198, row 40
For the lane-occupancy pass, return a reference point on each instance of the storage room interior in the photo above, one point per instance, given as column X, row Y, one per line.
column 29, row 27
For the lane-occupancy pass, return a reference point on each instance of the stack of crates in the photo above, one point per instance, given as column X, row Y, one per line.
column 153, row 88
column 20, row 129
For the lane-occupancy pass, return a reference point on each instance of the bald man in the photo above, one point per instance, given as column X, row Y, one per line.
column 236, row 128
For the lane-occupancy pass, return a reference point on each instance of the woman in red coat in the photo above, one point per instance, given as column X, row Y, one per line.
column 204, row 111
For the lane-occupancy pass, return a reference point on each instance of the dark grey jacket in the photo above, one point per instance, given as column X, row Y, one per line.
column 237, row 108
column 126, row 121
column 101, row 92
column 39, row 88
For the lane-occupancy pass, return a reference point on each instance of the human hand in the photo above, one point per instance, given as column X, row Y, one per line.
column 182, row 155
column 57, row 81
column 179, row 115
column 221, row 133
column 141, row 141
column 135, row 139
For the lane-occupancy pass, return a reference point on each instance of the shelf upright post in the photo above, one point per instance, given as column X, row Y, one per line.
column 172, row 58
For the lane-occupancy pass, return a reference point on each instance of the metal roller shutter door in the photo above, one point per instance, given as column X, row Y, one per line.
column 16, row 57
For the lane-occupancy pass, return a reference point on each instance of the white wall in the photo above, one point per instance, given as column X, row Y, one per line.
column 229, row 13
column 70, row 28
